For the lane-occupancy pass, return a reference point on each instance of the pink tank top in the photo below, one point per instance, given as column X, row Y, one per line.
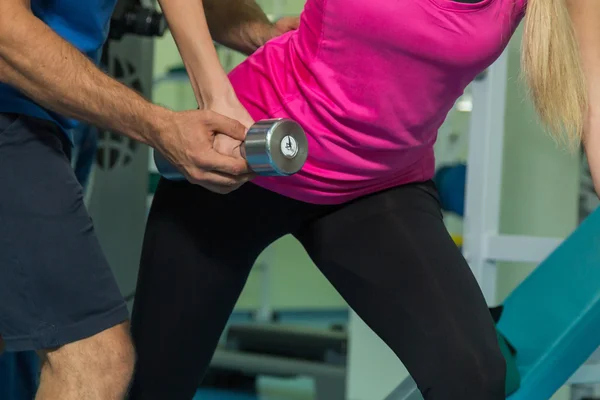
column 371, row 81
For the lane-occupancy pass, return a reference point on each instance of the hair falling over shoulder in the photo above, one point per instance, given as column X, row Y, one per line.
column 552, row 66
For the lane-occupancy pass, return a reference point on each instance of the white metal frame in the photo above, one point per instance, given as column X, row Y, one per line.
column 483, row 244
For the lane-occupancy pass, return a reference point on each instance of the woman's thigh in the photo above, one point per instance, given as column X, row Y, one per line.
column 392, row 259
column 198, row 250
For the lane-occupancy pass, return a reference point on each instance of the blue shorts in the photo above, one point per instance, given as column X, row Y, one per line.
column 56, row 286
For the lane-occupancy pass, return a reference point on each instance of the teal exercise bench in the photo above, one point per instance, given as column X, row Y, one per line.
column 552, row 318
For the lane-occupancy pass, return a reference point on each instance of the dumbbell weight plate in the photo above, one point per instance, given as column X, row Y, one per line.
column 275, row 147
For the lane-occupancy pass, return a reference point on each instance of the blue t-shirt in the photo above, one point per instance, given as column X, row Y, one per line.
column 84, row 24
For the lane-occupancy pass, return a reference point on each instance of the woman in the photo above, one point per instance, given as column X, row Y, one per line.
column 371, row 82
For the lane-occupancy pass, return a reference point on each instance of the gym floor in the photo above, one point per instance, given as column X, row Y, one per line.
column 271, row 388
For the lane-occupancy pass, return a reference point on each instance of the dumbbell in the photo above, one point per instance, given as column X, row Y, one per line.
column 273, row 147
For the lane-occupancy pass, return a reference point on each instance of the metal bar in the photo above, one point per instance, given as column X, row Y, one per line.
column 274, row 366
column 519, row 248
column 484, row 176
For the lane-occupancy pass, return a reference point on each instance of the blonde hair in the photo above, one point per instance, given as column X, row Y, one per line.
column 552, row 66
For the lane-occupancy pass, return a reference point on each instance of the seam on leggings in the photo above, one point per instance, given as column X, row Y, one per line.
column 420, row 258
column 419, row 254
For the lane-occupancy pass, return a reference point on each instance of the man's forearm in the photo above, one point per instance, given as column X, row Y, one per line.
column 238, row 24
column 40, row 64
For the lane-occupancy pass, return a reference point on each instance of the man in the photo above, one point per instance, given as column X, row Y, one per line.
column 59, row 297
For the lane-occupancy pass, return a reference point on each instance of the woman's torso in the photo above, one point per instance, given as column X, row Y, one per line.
column 371, row 81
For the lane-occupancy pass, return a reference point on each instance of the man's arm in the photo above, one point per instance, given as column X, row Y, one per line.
column 238, row 24
column 46, row 68
column 585, row 15
column 242, row 25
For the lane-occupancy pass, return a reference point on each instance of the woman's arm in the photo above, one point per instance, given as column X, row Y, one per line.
column 585, row 15
column 187, row 23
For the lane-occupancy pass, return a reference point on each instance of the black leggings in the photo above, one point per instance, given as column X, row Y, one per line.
column 389, row 255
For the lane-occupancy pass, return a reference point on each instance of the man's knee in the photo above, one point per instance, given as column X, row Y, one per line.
column 105, row 360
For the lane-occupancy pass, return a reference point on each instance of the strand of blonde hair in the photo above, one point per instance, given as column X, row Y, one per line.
column 552, row 66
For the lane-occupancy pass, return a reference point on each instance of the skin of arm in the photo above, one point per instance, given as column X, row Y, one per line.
column 585, row 15
column 238, row 24
column 56, row 75
column 242, row 25
column 46, row 68
column 187, row 23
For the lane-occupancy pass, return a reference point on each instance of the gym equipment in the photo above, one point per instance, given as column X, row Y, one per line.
column 134, row 18
column 552, row 318
column 280, row 351
column 118, row 188
column 208, row 394
column 451, row 182
column 513, row 376
column 273, row 147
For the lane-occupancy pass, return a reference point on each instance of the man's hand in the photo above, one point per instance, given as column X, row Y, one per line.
column 261, row 34
column 189, row 144
column 284, row 25
column 228, row 145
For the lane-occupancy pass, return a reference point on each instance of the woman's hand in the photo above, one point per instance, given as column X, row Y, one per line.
column 231, row 107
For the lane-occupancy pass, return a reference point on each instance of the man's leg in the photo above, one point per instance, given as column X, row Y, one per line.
column 98, row 367
column 59, row 297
